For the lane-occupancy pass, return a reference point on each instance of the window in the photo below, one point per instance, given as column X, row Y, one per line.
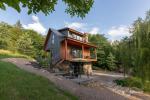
column 92, row 53
column 53, row 39
column 76, row 52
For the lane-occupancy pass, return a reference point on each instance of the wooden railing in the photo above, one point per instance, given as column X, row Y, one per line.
column 81, row 56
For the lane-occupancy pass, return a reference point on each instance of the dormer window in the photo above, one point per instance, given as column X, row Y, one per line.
column 53, row 39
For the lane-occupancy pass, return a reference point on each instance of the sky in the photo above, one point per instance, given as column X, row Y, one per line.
column 109, row 17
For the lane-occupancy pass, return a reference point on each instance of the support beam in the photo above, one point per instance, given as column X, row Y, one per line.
column 95, row 53
column 83, row 51
column 66, row 49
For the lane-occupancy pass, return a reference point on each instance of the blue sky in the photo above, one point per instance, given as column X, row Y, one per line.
column 109, row 17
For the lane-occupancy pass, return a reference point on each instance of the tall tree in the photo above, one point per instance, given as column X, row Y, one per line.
column 110, row 60
column 103, row 50
column 134, row 51
column 18, row 24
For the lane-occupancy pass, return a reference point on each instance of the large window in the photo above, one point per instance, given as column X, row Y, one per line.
column 76, row 52
column 92, row 53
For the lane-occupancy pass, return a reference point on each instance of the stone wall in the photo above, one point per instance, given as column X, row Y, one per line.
column 87, row 68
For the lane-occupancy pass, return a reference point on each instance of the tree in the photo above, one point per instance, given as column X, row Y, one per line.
column 103, row 49
column 110, row 60
column 24, row 44
column 134, row 52
column 74, row 7
column 18, row 24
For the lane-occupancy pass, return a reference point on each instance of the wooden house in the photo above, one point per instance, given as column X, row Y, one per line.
column 70, row 50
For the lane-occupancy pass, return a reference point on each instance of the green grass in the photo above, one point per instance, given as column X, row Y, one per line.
column 10, row 54
column 134, row 83
column 17, row 84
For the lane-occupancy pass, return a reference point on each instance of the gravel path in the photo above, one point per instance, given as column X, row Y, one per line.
column 84, row 93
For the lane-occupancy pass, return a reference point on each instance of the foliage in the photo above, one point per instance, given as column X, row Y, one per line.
column 16, row 39
column 130, row 82
column 131, row 53
column 134, row 82
column 110, row 60
column 74, row 7
column 24, row 44
column 19, row 85
column 134, row 52
column 105, row 58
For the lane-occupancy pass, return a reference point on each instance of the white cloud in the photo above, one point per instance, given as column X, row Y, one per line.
column 117, row 33
column 36, row 25
column 35, row 18
column 83, row 27
column 76, row 25
column 94, row 30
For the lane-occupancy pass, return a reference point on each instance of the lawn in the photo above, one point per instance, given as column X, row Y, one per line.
column 17, row 84
column 10, row 54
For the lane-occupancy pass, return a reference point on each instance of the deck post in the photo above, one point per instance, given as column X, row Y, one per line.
column 95, row 53
column 83, row 51
column 66, row 49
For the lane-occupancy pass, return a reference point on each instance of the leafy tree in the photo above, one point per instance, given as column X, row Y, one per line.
column 74, row 7
column 24, row 44
column 103, row 50
column 4, row 33
column 21, row 40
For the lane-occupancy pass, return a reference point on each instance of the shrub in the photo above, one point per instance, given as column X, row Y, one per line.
column 121, row 82
column 130, row 82
column 147, row 86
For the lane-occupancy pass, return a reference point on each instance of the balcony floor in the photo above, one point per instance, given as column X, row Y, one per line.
column 81, row 60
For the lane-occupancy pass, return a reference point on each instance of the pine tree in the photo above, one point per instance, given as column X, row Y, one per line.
column 110, row 61
column 18, row 24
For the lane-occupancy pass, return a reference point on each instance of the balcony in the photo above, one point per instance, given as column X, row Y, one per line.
column 78, row 51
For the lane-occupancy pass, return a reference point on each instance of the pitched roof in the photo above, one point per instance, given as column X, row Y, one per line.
column 49, row 33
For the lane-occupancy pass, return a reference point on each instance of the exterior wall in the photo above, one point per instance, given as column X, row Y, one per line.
column 62, row 50
column 54, row 48
column 86, row 52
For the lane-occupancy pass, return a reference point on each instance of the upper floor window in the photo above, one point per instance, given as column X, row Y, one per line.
column 53, row 39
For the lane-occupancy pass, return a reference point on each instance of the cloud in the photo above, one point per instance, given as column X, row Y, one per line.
column 94, row 30
column 36, row 25
column 117, row 33
column 83, row 27
column 75, row 25
column 35, row 18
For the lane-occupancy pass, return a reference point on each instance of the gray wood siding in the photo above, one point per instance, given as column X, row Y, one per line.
column 65, row 32
column 54, row 48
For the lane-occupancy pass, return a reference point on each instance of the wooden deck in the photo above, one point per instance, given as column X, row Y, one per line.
column 66, row 46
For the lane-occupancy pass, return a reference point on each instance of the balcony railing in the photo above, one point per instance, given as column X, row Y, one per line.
column 80, row 55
